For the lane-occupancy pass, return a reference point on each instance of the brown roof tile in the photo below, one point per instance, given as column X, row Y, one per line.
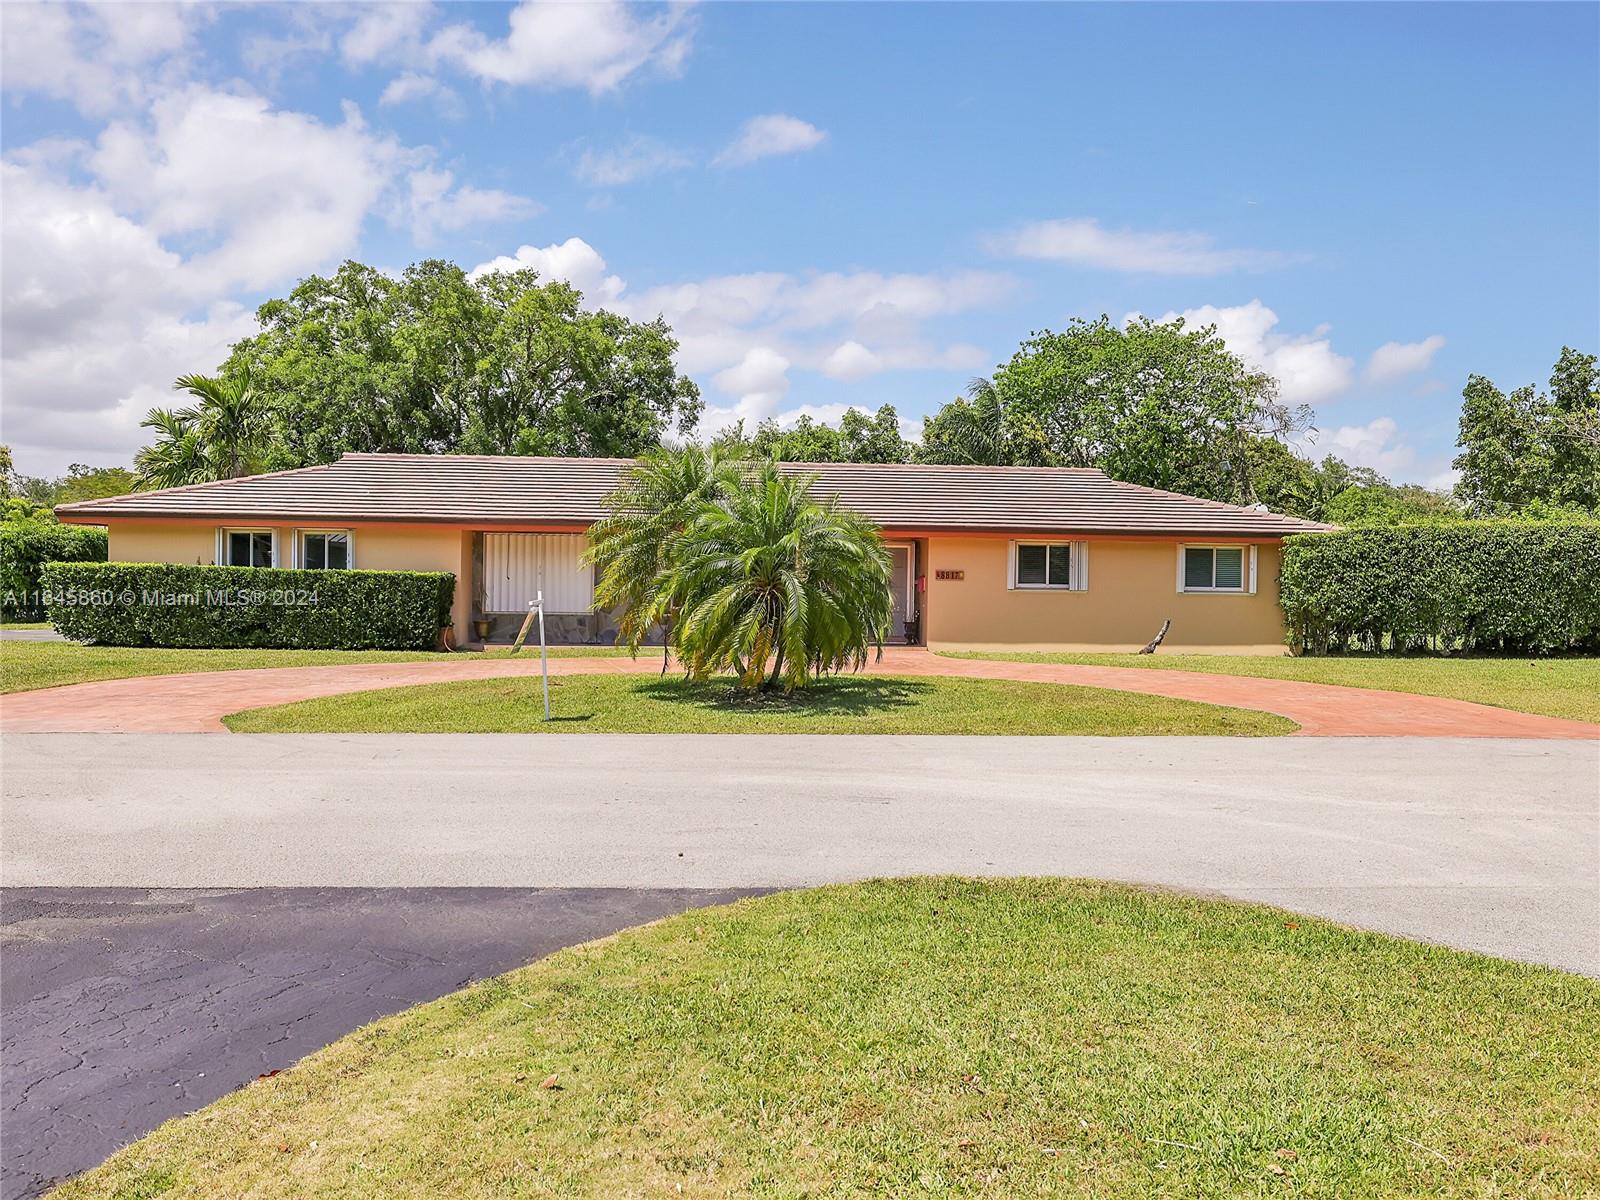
column 488, row 491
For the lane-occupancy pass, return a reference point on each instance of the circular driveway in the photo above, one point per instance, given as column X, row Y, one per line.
column 196, row 703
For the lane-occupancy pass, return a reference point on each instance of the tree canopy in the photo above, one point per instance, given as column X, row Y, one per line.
column 1153, row 403
column 1532, row 450
column 439, row 361
column 859, row 438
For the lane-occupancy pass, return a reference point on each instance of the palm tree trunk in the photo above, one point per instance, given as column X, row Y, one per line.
column 777, row 668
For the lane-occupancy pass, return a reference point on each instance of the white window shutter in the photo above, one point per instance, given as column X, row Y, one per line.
column 1181, row 549
column 1252, row 570
column 1080, row 563
column 1011, row 566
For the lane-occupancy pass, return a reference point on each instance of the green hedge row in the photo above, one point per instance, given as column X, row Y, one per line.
column 25, row 546
column 175, row 604
column 1501, row 586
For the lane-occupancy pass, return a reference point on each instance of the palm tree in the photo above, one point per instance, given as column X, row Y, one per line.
column 220, row 437
column 645, row 515
column 765, row 574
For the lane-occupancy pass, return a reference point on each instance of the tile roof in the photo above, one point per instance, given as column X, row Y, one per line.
column 485, row 491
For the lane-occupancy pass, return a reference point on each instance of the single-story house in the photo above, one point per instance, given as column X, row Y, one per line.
column 985, row 558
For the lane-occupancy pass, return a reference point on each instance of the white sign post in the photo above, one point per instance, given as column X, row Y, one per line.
column 544, row 656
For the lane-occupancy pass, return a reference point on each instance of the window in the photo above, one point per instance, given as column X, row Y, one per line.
column 1058, row 565
column 325, row 551
column 247, row 547
column 1214, row 569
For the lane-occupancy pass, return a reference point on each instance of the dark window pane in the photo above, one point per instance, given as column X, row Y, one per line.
column 238, row 549
column 338, row 551
column 260, row 550
column 1230, row 568
column 1196, row 567
column 314, row 556
column 1061, row 566
column 1031, row 565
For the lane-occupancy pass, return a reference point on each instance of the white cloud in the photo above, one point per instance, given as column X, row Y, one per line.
column 388, row 32
column 770, row 135
column 637, row 158
column 748, row 333
column 1377, row 444
column 122, row 261
column 410, row 86
column 851, row 361
column 1306, row 366
column 1395, row 359
column 573, row 261
column 435, row 203
column 1082, row 241
column 553, row 44
column 97, row 57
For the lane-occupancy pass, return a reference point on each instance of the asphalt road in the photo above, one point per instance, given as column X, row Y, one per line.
column 121, row 1008
column 1487, row 844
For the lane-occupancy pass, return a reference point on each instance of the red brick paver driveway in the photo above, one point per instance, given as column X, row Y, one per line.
column 197, row 703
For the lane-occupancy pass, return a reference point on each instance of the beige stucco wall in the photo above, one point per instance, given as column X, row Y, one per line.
column 409, row 548
column 1132, row 589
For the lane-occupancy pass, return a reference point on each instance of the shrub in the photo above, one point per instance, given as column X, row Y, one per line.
column 1504, row 586
column 176, row 604
column 26, row 545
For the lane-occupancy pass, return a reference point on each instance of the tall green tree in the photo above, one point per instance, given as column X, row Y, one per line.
column 775, row 586
column 1530, row 449
column 223, row 435
column 1153, row 403
column 437, row 361
column 859, row 438
column 633, row 544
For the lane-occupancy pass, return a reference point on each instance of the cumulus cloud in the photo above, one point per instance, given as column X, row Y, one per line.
column 123, row 258
column 637, row 158
column 768, row 136
column 1305, row 365
column 553, row 44
column 97, row 57
column 1084, row 242
column 748, row 333
column 1377, row 444
column 573, row 261
column 1392, row 360
column 412, row 86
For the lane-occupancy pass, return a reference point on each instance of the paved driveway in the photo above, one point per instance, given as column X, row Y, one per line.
column 122, row 1008
column 1488, row 844
column 196, row 703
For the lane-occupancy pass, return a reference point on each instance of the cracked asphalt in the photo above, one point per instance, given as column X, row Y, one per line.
column 123, row 1007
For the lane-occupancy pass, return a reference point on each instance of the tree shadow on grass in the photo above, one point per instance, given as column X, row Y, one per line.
column 834, row 696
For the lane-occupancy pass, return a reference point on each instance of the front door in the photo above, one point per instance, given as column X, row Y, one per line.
column 900, row 588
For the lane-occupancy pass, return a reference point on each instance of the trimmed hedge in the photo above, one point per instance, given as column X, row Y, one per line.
column 176, row 604
column 25, row 547
column 1502, row 586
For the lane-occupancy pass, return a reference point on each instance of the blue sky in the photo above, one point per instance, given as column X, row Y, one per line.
column 833, row 205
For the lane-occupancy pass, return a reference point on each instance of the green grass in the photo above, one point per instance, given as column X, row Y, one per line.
column 936, row 1037
column 25, row 666
column 844, row 704
column 25, row 625
column 1553, row 687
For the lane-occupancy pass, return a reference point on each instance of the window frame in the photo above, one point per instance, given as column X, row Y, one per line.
column 1247, row 569
column 224, row 544
column 1077, row 566
column 300, row 536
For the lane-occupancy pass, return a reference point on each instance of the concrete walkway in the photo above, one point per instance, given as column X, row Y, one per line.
column 1483, row 843
column 197, row 703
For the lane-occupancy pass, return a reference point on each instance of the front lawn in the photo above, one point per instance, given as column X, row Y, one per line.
column 936, row 1037
column 842, row 704
column 25, row 666
column 1553, row 687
